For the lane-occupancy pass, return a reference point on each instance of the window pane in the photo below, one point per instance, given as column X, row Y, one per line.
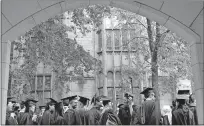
column 40, row 82
column 110, row 79
column 47, row 94
column 108, row 40
column 47, row 82
column 117, row 39
column 133, row 39
column 101, row 91
column 40, row 97
column 100, row 40
column 33, row 84
column 117, row 79
column 110, row 92
column 124, row 39
column 101, row 80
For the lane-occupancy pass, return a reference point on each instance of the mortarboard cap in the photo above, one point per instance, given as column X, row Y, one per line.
column 52, row 101
column 42, row 106
column 146, row 90
column 120, row 105
column 127, row 94
column 83, row 100
column 70, row 98
column 30, row 100
column 105, row 98
column 11, row 99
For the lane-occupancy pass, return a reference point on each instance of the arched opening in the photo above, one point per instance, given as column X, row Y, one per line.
column 142, row 9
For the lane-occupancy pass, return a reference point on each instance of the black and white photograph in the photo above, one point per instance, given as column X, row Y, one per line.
column 102, row 62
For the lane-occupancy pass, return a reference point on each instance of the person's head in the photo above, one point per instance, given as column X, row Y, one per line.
column 148, row 93
column 107, row 103
column 42, row 108
column 96, row 101
column 83, row 101
column 192, row 98
column 10, row 103
column 174, row 103
column 51, row 104
column 128, row 98
column 182, row 103
column 30, row 105
column 73, row 101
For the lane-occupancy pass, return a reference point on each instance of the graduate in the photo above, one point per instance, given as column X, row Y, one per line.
column 21, row 111
column 42, row 110
column 147, row 110
column 51, row 115
column 192, row 107
column 182, row 115
column 83, row 102
column 10, row 115
column 125, row 111
column 94, row 114
column 108, row 116
column 29, row 117
column 71, row 116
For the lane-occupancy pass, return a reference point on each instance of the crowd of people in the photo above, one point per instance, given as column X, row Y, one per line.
column 73, row 110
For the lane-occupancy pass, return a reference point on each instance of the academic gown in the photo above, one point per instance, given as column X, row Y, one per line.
column 93, row 116
column 109, row 118
column 179, row 117
column 72, row 117
column 26, row 119
column 10, row 120
column 83, row 116
column 148, row 113
column 51, row 118
column 19, row 116
column 124, row 115
column 193, row 110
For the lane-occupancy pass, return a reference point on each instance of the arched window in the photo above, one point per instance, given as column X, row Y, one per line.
column 101, row 79
column 117, row 78
column 110, row 79
column 108, row 40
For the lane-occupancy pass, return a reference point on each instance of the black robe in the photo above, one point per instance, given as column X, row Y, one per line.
column 51, row 118
column 148, row 113
column 124, row 115
column 193, row 109
column 93, row 116
column 83, row 116
column 109, row 118
column 165, row 120
column 19, row 116
column 179, row 117
column 26, row 119
column 72, row 117
column 10, row 120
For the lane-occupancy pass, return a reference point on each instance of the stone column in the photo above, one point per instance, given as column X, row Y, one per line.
column 105, row 90
column 197, row 66
column 5, row 61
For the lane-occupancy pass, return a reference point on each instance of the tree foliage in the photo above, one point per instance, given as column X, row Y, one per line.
column 48, row 43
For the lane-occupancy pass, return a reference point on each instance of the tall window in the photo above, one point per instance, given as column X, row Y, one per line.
column 117, row 39
column 110, row 79
column 37, row 86
column 99, row 41
column 133, row 39
column 125, row 39
column 117, row 78
column 108, row 40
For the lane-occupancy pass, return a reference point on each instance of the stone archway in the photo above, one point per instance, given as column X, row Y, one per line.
column 184, row 18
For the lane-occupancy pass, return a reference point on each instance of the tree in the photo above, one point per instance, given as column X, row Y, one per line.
column 47, row 43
